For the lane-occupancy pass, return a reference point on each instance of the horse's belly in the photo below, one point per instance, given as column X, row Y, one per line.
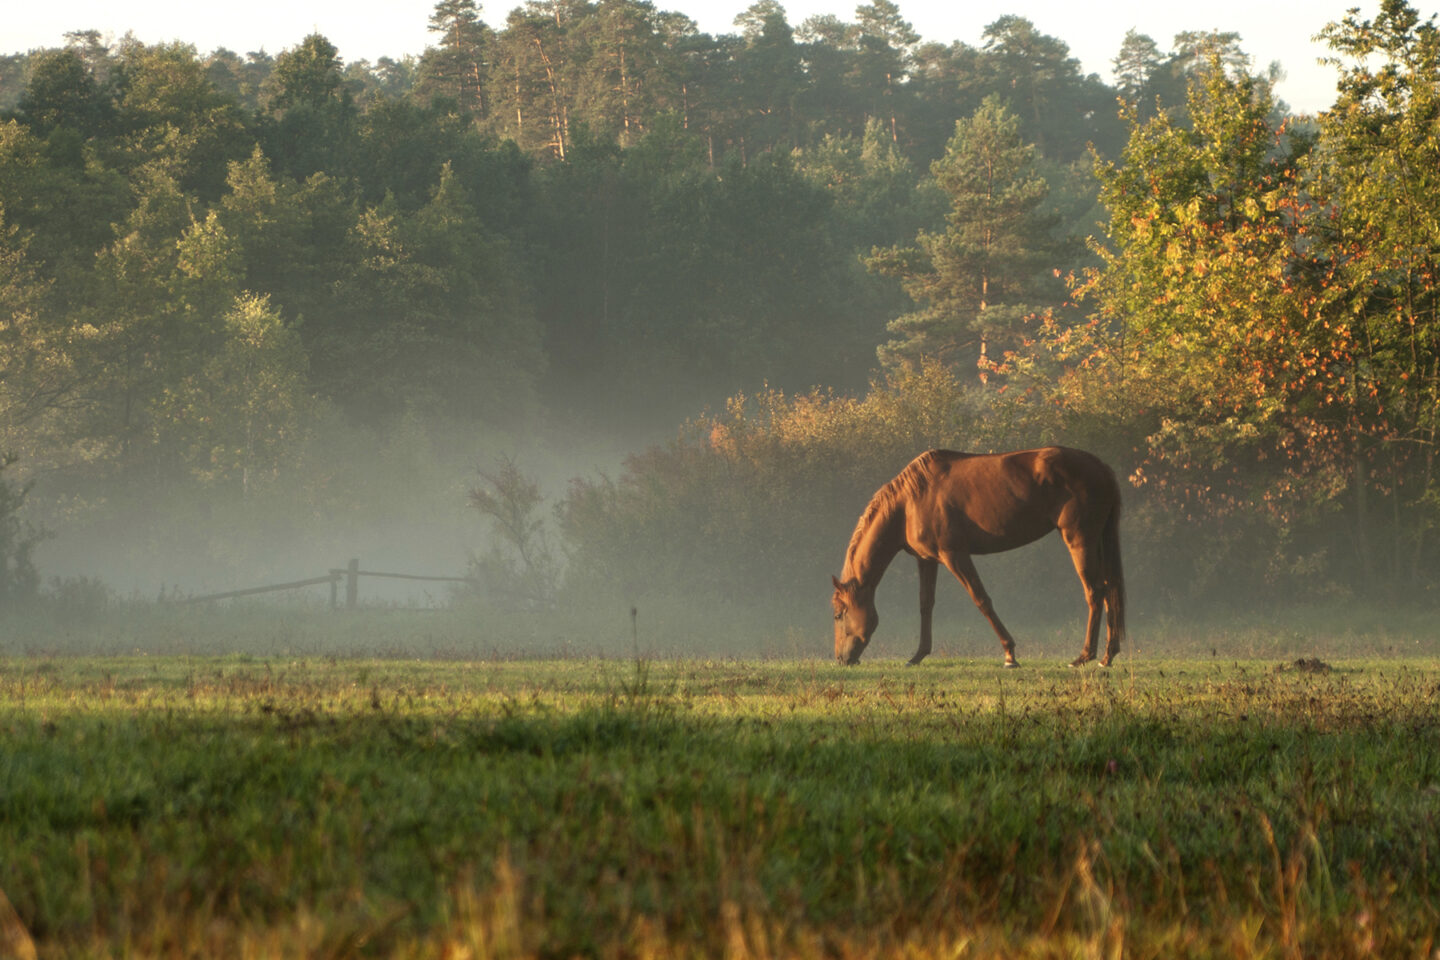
column 986, row 541
column 976, row 535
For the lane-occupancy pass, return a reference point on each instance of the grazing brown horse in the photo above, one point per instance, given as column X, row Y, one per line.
column 946, row 506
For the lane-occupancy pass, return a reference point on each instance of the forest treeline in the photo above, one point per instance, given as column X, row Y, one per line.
column 253, row 280
column 592, row 199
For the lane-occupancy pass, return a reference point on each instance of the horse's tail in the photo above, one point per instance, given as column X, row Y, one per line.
column 1114, row 580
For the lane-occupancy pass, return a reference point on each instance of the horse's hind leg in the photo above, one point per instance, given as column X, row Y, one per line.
column 963, row 567
column 1112, row 633
column 1085, row 554
column 928, row 570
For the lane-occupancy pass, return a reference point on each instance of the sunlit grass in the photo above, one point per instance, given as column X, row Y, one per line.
column 302, row 806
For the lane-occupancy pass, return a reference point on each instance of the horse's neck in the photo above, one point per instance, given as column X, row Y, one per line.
column 877, row 545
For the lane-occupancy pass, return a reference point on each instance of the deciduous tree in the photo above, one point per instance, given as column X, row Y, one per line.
column 1378, row 173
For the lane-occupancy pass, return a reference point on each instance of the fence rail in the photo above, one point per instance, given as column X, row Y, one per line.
column 350, row 573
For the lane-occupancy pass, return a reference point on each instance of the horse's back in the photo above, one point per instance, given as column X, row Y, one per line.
column 1041, row 466
column 1004, row 500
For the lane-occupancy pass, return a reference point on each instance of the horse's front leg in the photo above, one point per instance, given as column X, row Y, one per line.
column 963, row 567
column 928, row 571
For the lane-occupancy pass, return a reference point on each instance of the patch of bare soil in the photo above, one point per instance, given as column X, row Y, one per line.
column 1305, row 665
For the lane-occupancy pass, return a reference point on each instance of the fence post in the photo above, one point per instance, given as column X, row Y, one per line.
column 352, row 584
column 335, row 588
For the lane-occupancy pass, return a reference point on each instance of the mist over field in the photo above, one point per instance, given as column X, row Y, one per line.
column 602, row 333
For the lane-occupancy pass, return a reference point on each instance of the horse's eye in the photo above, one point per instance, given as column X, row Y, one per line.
column 839, row 614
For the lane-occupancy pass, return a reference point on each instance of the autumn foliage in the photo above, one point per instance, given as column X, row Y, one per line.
column 1256, row 348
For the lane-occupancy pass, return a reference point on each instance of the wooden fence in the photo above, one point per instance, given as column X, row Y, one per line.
column 350, row 573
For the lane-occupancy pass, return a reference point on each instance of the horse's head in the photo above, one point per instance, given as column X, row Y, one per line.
column 855, row 621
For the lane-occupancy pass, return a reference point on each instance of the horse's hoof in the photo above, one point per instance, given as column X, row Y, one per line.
column 1011, row 664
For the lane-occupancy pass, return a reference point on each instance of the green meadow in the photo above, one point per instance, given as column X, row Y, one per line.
column 325, row 807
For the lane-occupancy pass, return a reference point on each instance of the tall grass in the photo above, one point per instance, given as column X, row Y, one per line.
column 313, row 806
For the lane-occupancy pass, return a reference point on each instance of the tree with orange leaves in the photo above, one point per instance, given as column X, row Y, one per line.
column 1204, row 350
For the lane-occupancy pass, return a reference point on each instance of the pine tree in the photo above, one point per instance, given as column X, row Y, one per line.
column 977, row 280
column 770, row 77
column 1136, row 65
column 886, row 42
column 457, row 68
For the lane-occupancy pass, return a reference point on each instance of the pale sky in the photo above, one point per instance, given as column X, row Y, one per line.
column 1270, row 30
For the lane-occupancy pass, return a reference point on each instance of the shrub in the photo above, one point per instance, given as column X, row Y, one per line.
column 520, row 570
column 759, row 500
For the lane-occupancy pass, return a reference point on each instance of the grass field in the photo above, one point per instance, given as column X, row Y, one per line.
column 289, row 807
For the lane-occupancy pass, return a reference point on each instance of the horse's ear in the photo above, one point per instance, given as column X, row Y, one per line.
column 836, row 580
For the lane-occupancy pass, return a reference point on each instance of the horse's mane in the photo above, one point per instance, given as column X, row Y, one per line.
column 908, row 484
